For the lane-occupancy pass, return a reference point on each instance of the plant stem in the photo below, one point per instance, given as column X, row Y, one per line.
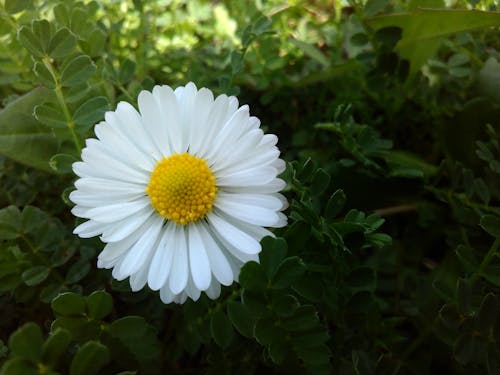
column 62, row 103
column 486, row 261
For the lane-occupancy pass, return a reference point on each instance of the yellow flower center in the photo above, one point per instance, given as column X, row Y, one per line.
column 182, row 188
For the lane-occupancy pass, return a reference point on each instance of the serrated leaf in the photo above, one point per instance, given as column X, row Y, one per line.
column 90, row 112
column 77, row 71
column 221, row 329
column 288, row 272
column 99, row 304
column 35, row 275
column 241, row 318
column 55, row 346
column 69, row 304
column 62, row 44
column 29, row 41
column 89, row 359
column 27, row 342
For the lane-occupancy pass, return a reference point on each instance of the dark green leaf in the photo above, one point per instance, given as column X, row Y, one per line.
column 27, row 342
column 55, row 346
column 252, row 277
column 50, row 116
column 10, row 223
column 304, row 318
column 69, row 304
column 77, row 71
column 320, row 182
column 78, row 271
column 126, row 72
column 288, row 272
column 284, row 304
column 273, row 252
column 89, row 359
column 19, row 366
column 488, row 314
column 81, row 328
column 99, row 304
column 221, row 329
column 241, row 318
column 35, row 275
column 491, row 224
column 335, row 204
column 266, row 331
column 90, row 112
column 464, row 296
column 362, row 278
column 62, row 44
column 30, row 41
column 62, row 163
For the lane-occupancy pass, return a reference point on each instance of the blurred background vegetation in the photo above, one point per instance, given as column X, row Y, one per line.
column 388, row 114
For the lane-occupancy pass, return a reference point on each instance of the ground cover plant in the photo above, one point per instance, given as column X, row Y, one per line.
column 382, row 255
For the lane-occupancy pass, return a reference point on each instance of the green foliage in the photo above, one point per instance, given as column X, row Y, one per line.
column 387, row 114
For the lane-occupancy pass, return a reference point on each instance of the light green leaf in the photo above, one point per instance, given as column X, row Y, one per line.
column 69, row 304
column 77, row 71
column 24, row 139
column 27, row 342
column 50, row 116
column 35, row 275
column 41, row 29
column 16, row 6
column 424, row 29
column 62, row 43
column 89, row 359
column 311, row 51
column 44, row 75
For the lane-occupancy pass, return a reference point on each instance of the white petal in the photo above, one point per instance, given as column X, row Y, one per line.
column 88, row 229
column 179, row 273
column 247, row 212
column 274, row 186
column 136, row 257
column 92, row 185
column 119, row 211
column 198, row 259
column 93, row 200
column 192, row 290
column 271, row 202
column 214, row 122
column 198, row 127
column 123, row 228
column 213, row 292
column 248, row 177
column 218, row 262
column 166, row 294
column 233, row 235
column 170, row 118
column 162, row 259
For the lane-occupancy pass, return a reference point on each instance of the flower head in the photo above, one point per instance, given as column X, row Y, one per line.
column 180, row 192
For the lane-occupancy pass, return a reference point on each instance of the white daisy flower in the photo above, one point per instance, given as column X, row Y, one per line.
column 180, row 191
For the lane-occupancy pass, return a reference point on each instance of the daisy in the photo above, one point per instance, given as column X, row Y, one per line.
column 180, row 191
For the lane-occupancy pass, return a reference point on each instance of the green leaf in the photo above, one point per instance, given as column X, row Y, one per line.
column 253, row 277
column 221, row 329
column 266, row 331
column 99, row 304
column 488, row 314
column 81, row 328
column 311, row 51
column 89, row 359
column 62, row 44
column 50, row 116
column 35, row 275
column 90, row 112
column 16, row 6
column 44, row 75
column 362, row 278
column 304, row 318
column 78, row 271
column 19, row 366
column 489, row 79
column 77, row 71
column 492, row 274
column 491, row 224
column 69, row 304
column 335, row 204
column 273, row 252
column 96, row 41
column 29, row 41
column 62, row 163
column 61, row 14
column 241, row 318
column 320, row 182
column 27, row 342
column 10, row 223
column 464, row 296
column 55, row 346
column 126, row 72
column 24, row 139
column 288, row 272
column 424, row 29
column 42, row 30
column 284, row 304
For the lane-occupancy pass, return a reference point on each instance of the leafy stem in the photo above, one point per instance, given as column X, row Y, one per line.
column 62, row 103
